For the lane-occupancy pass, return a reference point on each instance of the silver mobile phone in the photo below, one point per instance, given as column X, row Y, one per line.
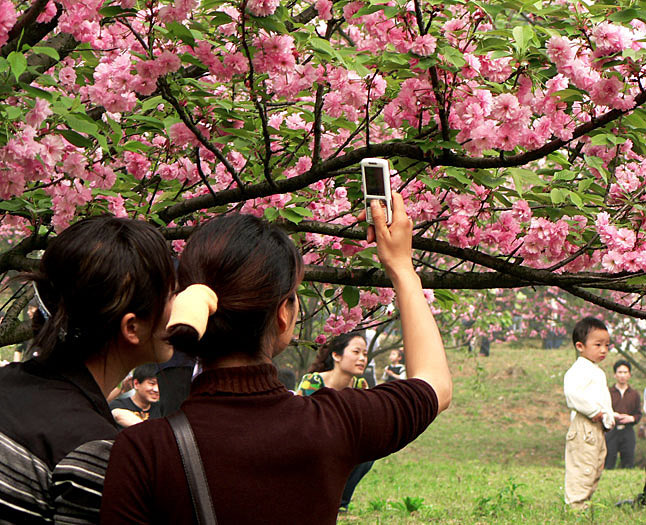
column 375, row 175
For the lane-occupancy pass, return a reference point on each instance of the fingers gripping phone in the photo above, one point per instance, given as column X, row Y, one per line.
column 375, row 175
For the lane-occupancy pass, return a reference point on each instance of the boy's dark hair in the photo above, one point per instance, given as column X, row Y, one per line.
column 143, row 372
column 583, row 328
column 622, row 362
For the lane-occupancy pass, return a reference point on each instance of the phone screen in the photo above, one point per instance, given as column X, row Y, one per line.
column 374, row 180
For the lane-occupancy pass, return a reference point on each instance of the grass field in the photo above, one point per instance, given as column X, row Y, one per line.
column 496, row 456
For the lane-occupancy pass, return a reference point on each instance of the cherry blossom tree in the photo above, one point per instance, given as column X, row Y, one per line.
column 515, row 131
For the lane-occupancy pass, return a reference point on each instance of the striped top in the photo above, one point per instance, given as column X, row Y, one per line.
column 56, row 432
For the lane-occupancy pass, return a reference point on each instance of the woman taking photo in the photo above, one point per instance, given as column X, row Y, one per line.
column 339, row 364
column 103, row 288
column 262, row 446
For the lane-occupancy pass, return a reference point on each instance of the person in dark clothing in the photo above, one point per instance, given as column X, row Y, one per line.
column 261, row 445
column 144, row 403
column 105, row 307
column 626, row 404
column 174, row 381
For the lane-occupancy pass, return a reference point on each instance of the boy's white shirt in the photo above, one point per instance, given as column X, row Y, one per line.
column 586, row 391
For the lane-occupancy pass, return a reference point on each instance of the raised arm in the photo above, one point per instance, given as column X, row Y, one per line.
column 423, row 347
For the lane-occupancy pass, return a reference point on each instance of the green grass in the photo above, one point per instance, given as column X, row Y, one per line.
column 496, row 456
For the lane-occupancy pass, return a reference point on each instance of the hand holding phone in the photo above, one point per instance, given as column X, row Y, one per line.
column 375, row 176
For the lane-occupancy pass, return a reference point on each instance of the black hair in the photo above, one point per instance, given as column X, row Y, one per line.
column 252, row 266
column 143, row 372
column 583, row 328
column 622, row 362
column 91, row 275
column 337, row 345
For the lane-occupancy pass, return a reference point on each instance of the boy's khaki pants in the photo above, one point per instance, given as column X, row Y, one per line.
column 585, row 453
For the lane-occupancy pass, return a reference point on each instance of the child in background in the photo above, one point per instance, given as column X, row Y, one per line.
column 586, row 393
column 395, row 370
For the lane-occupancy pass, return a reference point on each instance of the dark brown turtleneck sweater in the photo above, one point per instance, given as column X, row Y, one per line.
column 270, row 456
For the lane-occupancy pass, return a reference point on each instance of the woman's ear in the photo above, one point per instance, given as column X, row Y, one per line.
column 129, row 329
column 285, row 322
column 284, row 316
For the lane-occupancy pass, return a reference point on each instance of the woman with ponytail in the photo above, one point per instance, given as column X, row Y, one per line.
column 270, row 456
column 103, row 290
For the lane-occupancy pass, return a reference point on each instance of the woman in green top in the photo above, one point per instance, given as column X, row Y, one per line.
column 338, row 365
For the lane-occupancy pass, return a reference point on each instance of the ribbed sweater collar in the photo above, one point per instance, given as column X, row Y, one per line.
column 238, row 380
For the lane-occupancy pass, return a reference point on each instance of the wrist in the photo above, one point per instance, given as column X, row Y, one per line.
column 404, row 276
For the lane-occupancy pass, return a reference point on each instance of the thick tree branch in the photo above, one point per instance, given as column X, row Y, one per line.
column 11, row 320
column 435, row 280
column 19, row 333
column 26, row 31
column 16, row 257
column 505, row 274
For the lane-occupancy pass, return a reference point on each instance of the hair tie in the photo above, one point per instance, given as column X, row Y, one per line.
column 193, row 307
column 39, row 302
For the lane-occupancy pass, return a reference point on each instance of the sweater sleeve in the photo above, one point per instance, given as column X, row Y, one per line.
column 77, row 483
column 381, row 420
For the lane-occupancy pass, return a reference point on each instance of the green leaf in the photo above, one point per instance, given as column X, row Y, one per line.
column 74, row 138
column 135, row 145
column 182, row 32
column 82, row 125
column 569, row 94
column 323, row 46
column 522, row 36
column 453, row 56
column 350, row 295
column 151, row 103
column 303, row 212
column 270, row 23
column 627, row 15
column 271, row 214
column 37, row 92
column 18, row 63
column 290, row 215
column 557, row 196
column 153, row 122
column 12, row 112
column 576, row 199
column 12, row 205
column 114, row 10
column 49, row 51
column 525, row 178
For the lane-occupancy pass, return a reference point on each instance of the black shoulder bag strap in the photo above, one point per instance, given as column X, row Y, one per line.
column 194, row 469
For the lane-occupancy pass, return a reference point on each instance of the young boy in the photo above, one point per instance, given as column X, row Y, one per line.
column 395, row 370
column 628, row 411
column 586, row 393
